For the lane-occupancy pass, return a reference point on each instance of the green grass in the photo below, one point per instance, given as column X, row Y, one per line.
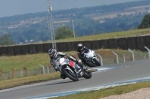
column 4, row 84
column 107, row 91
column 32, row 61
column 129, row 33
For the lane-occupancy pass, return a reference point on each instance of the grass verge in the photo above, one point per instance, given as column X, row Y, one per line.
column 107, row 92
column 4, row 84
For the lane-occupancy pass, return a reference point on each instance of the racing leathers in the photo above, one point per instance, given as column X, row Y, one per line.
column 60, row 54
column 81, row 53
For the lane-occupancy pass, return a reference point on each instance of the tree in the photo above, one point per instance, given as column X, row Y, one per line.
column 6, row 40
column 145, row 22
column 63, row 32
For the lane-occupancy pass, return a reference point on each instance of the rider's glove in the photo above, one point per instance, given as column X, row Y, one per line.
column 66, row 56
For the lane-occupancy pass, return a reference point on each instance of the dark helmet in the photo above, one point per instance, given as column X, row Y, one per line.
column 52, row 52
column 80, row 46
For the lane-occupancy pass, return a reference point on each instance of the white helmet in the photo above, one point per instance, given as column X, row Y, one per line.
column 80, row 46
column 52, row 52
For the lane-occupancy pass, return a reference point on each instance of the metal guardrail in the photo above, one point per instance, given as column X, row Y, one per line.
column 48, row 69
column 133, row 56
column 43, row 68
column 117, row 59
column 147, row 50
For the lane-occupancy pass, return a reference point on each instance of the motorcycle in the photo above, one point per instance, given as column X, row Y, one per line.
column 71, row 69
column 90, row 59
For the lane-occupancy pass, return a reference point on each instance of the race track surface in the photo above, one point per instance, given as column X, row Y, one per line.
column 104, row 76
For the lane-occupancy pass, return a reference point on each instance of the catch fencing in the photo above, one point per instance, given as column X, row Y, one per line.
column 25, row 72
column 141, row 43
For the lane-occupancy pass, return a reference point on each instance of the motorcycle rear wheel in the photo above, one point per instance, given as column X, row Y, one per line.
column 87, row 75
column 71, row 76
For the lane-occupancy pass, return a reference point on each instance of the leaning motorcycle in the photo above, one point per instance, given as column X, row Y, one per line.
column 71, row 69
column 90, row 59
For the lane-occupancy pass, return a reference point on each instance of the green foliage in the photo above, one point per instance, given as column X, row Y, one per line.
column 6, row 40
column 145, row 22
column 87, row 21
column 98, row 94
column 63, row 32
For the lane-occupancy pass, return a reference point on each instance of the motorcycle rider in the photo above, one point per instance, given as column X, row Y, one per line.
column 81, row 50
column 54, row 55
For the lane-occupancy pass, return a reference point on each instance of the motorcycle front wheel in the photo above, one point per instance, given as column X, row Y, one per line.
column 70, row 75
column 97, row 63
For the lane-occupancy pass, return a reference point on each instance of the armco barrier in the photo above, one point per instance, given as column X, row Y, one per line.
column 62, row 46
column 113, row 43
column 87, row 44
column 131, row 42
column 140, row 41
column 147, row 41
column 95, row 44
column 76, row 45
column 104, row 43
column 3, row 51
column 17, row 50
column 39, row 48
column 137, row 43
column 32, row 49
column 10, row 50
column 47, row 46
column 25, row 49
column 122, row 43
column 71, row 46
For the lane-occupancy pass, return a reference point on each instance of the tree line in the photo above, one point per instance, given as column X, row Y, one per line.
column 145, row 22
column 83, row 23
column 66, row 32
column 6, row 40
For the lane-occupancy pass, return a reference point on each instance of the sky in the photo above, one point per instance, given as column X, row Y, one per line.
column 18, row 7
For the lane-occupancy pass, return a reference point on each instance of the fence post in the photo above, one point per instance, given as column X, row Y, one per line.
column 116, row 57
column 21, row 74
column 101, row 59
column 2, row 75
column 132, row 54
column 148, row 51
column 43, row 68
column 13, row 73
column 25, row 69
column 124, row 57
column 48, row 69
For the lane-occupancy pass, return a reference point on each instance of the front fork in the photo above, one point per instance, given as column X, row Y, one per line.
column 78, row 70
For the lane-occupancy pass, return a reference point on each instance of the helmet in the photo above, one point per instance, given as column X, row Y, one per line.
column 52, row 52
column 80, row 46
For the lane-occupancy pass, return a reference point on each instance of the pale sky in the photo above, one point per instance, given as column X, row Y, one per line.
column 17, row 7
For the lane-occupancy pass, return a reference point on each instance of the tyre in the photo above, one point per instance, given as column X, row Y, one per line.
column 87, row 75
column 70, row 75
column 97, row 63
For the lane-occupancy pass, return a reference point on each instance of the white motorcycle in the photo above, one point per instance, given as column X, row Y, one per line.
column 71, row 69
column 90, row 59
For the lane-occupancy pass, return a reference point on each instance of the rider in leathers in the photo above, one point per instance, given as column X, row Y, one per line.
column 54, row 55
column 81, row 50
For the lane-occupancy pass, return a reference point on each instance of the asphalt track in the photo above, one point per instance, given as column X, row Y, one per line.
column 106, row 75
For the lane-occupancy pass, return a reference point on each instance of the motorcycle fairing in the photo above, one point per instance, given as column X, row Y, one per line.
column 71, row 63
column 89, row 54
